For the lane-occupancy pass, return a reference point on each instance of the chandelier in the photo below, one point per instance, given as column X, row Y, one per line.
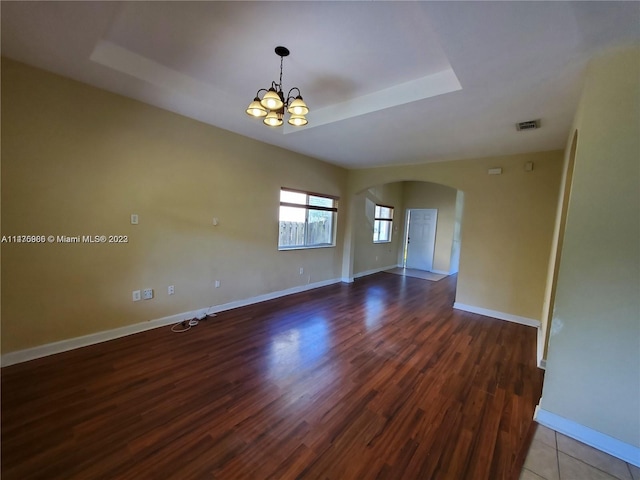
column 273, row 104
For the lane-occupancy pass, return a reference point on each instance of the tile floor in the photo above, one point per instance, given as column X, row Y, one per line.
column 553, row 456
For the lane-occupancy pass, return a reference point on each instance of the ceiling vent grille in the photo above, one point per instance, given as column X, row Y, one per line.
column 530, row 125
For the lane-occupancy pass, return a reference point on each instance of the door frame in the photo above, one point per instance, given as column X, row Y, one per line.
column 405, row 250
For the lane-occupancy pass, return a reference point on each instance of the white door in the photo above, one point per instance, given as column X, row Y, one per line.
column 421, row 238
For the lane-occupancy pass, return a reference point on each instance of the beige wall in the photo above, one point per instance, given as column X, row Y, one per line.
column 77, row 160
column 594, row 352
column 80, row 161
column 368, row 255
column 507, row 225
column 442, row 198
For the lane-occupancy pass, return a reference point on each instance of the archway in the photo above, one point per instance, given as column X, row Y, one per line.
column 372, row 253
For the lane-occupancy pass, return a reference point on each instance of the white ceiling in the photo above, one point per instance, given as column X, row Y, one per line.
column 387, row 82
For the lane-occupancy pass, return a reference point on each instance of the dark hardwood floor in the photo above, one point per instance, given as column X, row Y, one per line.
column 380, row 379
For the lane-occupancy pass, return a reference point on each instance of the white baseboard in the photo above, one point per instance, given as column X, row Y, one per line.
column 272, row 295
column 530, row 322
column 347, row 279
column 25, row 355
column 593, row 438
column 499, row 315
column 375, row 270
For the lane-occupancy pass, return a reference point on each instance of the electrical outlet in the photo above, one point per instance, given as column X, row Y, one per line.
column 171, row 289
column 136, row 295
column 134, row 219
column 301, row 270
column 147, row 293
column 217, row 283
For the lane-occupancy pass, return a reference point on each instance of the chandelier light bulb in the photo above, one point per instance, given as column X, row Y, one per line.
column 271, row 100
column 273, row 119
column 298, row 107
column 255, row 109
column 297, row 120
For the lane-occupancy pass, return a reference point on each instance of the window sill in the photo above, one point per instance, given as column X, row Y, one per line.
column 309, row 247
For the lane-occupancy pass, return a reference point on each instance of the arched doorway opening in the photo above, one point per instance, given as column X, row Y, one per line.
column 387, row 216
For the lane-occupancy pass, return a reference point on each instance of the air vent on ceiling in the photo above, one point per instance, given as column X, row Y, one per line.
column 530, row 125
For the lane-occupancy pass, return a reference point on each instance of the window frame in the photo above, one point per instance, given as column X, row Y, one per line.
column 377, row 221
column 307, row 207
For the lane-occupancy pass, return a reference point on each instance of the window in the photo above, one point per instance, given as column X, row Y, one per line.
column 382, row 224
column 307, row 220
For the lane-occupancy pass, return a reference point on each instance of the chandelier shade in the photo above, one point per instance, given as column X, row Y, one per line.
column 273, row 119
column 256, row 109
column 297, row 120
column 298, row 107
column 273, row 104
column 271, row 100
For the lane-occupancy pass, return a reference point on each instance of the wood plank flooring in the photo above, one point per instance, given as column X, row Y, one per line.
column 379, row 379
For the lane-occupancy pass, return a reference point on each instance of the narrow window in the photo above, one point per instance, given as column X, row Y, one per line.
column 382, row 224
column 307, row 220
